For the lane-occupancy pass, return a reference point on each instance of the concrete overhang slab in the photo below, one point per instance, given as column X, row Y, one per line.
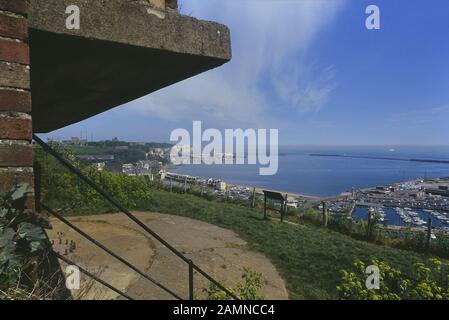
column 121, row 52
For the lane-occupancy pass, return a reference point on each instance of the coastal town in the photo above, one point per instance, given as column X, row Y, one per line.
column 407, row 203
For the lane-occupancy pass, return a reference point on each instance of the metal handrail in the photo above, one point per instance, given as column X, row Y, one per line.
column 98, row 244
column 90, row 275
column 119, row 206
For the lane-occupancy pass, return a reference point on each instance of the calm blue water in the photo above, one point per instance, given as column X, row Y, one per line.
column 325, row 176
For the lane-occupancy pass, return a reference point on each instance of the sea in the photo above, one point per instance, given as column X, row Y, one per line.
column 303, row 173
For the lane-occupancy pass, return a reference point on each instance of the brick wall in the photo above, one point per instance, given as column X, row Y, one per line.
column 16, row 159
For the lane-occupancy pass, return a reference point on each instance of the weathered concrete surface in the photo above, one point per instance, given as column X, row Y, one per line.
column 218, row 251
column 122, row 51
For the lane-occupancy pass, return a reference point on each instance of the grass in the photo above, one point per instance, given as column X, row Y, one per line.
column 308, row 257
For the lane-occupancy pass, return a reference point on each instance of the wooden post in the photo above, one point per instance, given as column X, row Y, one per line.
column 370, row 221
column 253, row 202
column 171, row 185
column 265, row 206
column 325, row 214
column 185, row 184
column 284, row 211
column 429, row 234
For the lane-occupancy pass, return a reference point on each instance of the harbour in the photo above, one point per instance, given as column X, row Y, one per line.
column 405, row 217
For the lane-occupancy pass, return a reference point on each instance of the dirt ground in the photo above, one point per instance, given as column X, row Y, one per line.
column 218, row 251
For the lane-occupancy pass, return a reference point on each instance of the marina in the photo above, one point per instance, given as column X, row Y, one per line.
column 403, row 217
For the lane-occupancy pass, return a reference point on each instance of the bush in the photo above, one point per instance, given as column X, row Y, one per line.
column 429, row 282
column 64, row 191
column 246, row 290
column 22, row 239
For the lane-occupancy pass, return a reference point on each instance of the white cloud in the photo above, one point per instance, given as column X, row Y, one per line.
column 271, row 63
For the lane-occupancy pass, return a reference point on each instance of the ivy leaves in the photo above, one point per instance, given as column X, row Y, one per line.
column 22, row 236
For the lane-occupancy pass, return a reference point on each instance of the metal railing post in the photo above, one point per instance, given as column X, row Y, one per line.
column 191, row 289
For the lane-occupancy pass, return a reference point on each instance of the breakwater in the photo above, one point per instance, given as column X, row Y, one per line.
column 379, row 158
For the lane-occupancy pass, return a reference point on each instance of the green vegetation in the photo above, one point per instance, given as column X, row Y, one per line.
column 64, row 191
column 308, row 257
column 429, row 281
column 248, row 289
column 22, row 242
column 407, row 239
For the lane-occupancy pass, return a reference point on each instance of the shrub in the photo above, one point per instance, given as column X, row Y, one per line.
column 246, row 290
column 429, row 282
column 22, row 238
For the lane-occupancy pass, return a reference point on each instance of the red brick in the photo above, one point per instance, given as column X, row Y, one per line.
column 13, row 51
column 15, row 128
column 12, row 100
column 9, row 177
column 16, row 6
column 16, row 155
column 14, row 27
column 14, row 75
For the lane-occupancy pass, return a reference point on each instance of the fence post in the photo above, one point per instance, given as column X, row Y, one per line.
column 284, row 211
column 429, row 234
column 265, row 206
column 253, row 202
column 191, row 289
column 171, row 185
column 370, row 221
column 325, row 214
column 185, row 184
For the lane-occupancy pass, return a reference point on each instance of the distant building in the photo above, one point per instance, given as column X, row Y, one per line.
column 100, row 166
column 75, row 141
column 129, row 169
column 438, row 192
column 96, row 157
column 219, row 185
column 141, row 168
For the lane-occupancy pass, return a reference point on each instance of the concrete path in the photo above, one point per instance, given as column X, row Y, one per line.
column 218, row 251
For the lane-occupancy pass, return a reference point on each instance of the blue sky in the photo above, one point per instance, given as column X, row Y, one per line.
column 311, row 69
